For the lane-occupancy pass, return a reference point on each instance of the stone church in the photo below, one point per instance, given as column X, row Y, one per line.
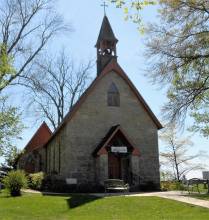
column 110, row 133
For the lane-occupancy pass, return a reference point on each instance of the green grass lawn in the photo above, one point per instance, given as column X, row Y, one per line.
column 200, row 196
column 78, row 207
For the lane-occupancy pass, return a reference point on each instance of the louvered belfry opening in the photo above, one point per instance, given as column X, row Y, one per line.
column 106, row 45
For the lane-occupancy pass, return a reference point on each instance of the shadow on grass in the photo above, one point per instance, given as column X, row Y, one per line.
column 79, row 200
column 74, row 200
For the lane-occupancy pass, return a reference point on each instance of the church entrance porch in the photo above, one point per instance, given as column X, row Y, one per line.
column 117, row 158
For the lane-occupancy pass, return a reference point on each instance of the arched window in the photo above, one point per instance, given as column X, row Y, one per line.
column 113, row 96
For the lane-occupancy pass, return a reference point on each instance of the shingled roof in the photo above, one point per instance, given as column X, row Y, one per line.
column 39, row 139
column 109, row 134
column 106, row 32
column 114, row 130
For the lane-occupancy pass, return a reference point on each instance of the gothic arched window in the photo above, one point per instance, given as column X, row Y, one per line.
column 113, row 96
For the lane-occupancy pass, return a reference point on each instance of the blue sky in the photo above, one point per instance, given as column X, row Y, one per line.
column 85, row 18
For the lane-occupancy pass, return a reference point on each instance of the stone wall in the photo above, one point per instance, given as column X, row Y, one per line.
column 102, row 168
column 77, row 140
column 32, row 162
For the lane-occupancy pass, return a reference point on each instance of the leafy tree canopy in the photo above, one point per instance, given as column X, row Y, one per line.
column 11, row 157
column 6, row 69
column 178, row 51
column 178, row 54
column 10, row 122
column 10, row 125
column 132, row 10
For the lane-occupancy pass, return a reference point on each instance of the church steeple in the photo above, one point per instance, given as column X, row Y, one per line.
column 106, row 45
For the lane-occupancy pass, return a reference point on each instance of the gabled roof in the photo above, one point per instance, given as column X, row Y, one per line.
column 39, row 139
column 106, row 32
column 108, row 137
column 112, row 66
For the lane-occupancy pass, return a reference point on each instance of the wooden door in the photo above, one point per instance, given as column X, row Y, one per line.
column 114, row 167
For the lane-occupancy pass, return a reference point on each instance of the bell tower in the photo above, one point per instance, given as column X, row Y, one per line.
column 106, row 45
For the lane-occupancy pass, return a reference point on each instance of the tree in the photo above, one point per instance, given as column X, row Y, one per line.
column 5, row 66
column 11, row 157
column 178, row 55
column 178, row 51
column 26, row 26
column 56, row 87
column 132, row 10
column 10, row 125
column 175, row 156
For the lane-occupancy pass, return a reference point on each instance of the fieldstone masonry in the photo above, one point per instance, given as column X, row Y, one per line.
column 135, row 170
column 103, row 169
column 69, row 153
column 89, row 125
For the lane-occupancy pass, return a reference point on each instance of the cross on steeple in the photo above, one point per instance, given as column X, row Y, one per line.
column 105, row 6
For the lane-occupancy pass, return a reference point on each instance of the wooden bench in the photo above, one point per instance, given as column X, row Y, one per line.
column 116, row 185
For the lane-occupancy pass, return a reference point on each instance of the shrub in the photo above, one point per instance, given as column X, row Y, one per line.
column 171, row 185
column 165, row 185
column 36, row 180
column 15, row 181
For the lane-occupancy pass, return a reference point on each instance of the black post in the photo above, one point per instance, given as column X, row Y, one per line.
column 208, row 185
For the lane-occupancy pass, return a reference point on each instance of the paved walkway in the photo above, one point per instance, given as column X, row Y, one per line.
column 178, row 196
column 31, row 191
column 174, row 195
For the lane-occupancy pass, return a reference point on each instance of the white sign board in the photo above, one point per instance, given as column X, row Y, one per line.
column 205, row 175
column 120, row 149
column 70, row 181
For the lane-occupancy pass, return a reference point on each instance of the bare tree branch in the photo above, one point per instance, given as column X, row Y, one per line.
column 26, row 26
column 57, row 87
column 176, row 154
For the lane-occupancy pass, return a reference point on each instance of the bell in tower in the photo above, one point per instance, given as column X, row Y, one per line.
column 106, row 45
